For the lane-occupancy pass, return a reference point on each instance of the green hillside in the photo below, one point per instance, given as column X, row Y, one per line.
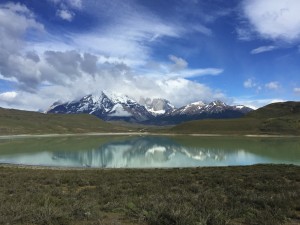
column 275, row 110
column 276, row 118
column 25, row 122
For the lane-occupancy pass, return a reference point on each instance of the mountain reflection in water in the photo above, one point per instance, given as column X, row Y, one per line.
column 151, row 152
column 141, row 152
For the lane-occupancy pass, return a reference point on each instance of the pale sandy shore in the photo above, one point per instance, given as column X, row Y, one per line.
column 143, row 134
column 77, row 134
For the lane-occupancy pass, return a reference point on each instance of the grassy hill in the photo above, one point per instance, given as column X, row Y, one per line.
column 275, row 110
column 276, row 118
column 25, row 122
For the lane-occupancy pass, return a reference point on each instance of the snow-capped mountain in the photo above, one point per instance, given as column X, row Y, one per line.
column 211, row 108
column 157, row 106
column 108, row 106
column 200, row 110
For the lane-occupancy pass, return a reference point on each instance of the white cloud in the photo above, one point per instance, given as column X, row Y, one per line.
column 263, row 49
column 297, row 90
column 244, row 34
column 249, row 83
column 66, row 8
column 65, row 14
column 179, row 63
column 75, row 4
column 272, row 85
column 179, row 68
column 8, row 96
column 108, row 58
column 202, row 29
column 14, row 65
column 188, row 73
column 274, row 19
column 178, row 90
column 256, row 103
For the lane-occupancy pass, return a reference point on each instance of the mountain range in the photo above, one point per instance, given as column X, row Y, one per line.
column 111, row 106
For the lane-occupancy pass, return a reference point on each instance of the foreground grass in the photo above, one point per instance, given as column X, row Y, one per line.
column 25, row 122
column 262, row 194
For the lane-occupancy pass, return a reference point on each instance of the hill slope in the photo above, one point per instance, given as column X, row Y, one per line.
column 275, row 110
column 276, row 118
column 25, row 122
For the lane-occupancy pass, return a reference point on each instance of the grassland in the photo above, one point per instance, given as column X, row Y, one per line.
column 251, row 195
column 25, row 122
column 261, row 194
column 274, row 119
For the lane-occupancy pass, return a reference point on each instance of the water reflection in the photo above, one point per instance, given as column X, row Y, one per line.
column 144, row 152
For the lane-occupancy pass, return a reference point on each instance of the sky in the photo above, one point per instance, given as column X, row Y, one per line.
column 238, row 51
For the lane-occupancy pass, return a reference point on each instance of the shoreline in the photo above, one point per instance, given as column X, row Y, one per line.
column 13, row 136
column 144, row 134
column 62, row 168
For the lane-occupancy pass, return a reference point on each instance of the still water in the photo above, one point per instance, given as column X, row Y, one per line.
column 148, row 151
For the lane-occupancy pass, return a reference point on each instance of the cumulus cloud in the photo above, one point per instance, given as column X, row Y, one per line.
column 244, row 34
column 179, row 63
column 262, row 49
column 272, row 85
column 257, row 103
column 65, row 14
column 116, row 79
column 13, row 63
column 8, row 96
column 66, row 8
column 297, row 90
column 249, row 83
column 274, row 19
column 108, row 60
column 75, row 4
column 178, row 68
column 11, row 33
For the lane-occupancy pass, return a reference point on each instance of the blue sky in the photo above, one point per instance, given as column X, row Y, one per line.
column 241, row 52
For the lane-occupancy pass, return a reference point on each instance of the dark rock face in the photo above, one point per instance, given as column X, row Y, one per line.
column 147, row 111
column 106, row 107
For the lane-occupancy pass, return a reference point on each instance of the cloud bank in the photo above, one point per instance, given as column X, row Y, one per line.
column 274, row 19
column 108, row 60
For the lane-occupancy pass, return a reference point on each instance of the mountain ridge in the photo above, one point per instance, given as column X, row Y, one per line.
column 157, row 111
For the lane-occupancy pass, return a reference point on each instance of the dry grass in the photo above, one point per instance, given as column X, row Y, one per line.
column 262, row 194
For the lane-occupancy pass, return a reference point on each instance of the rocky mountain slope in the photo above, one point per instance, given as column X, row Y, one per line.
column 148, row 111
column 105, row 106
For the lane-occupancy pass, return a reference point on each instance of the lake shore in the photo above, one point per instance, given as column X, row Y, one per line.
column 142, row 134
column 208, row 195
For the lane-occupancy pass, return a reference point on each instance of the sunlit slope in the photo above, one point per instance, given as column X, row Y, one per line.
column 276, row 118
column 277, row 110
column 25, row 122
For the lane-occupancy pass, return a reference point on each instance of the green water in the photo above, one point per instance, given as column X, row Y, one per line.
column 148, row 151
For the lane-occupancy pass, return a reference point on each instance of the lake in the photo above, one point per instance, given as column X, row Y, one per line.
column 148, row 151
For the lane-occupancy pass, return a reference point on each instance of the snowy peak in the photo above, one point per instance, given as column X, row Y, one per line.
column 107, row 106
column 157, row 106
column 200, row 110
column 118, row 98
column 158, row 111
column 218, row 103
